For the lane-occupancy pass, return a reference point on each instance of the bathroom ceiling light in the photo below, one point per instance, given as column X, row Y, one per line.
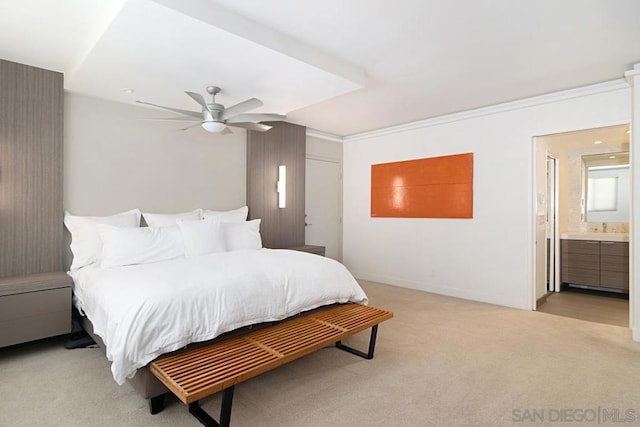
column 127, row 90
column 597, row 142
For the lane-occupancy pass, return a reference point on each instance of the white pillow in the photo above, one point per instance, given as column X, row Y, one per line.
column 86, row 244
column 168, row 220
column 242, row 235
column 236, row 215
column 127, row 246
column 202, row 236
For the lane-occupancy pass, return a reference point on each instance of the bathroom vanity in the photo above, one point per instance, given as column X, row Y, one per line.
column 595, row 260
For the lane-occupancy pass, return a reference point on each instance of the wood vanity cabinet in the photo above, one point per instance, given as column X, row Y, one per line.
column 614, row 265
column 594, row 263
column 580, row 262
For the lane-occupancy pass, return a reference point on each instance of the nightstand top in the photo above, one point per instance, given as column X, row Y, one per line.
column 34, row 283
column 313, row 249
column 305, row 247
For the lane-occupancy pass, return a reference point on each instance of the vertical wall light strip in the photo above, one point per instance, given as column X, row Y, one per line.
column 282, row 186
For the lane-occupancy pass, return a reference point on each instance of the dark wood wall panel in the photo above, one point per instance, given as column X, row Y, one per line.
column 31, row 144
column 292, row 154
column 284, row 144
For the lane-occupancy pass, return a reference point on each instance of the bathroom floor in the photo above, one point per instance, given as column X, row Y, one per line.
column 594, row 306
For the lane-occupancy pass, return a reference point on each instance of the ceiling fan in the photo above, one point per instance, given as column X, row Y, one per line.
column 215, row 117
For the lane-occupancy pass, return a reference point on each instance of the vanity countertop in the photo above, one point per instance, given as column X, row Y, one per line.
column 595, row 235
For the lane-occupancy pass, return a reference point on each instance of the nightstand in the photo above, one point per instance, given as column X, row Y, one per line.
column 312, row 249
column 34, row 307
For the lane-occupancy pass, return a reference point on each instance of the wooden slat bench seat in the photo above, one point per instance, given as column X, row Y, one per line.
column 203, row 371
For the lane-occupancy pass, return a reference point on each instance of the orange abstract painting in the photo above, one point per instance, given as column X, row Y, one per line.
column 436, row 187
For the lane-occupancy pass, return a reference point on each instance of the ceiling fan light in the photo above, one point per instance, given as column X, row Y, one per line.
column 211, row 126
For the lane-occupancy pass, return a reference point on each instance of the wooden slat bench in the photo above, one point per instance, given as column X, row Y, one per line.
column 203, row 371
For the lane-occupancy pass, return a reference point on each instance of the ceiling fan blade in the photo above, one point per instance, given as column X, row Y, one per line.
column 189, row 127
column 241, row 107
column 251, row 126
column 225, row 131
column 172, row 119
column 195, row 114
column 198, row 98
column 256, row 117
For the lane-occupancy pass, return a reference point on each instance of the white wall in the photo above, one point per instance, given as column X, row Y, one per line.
column 324, row 149
column 115, row 161
column 633, row 77
column 490, row 257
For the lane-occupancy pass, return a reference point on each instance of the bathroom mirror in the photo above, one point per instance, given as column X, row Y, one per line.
column 606, row 188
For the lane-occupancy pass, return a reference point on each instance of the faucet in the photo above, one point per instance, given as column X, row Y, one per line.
column 604, row 227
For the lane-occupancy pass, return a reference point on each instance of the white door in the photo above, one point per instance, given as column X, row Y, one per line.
column 546, row 242
column 540, row 205
column 552, row 226
column 323, row 206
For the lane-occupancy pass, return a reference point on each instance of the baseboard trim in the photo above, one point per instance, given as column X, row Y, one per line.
column 438, row 289
column 542, row 299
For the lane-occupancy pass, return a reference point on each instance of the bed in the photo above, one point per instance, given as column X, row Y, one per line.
column 141, row 311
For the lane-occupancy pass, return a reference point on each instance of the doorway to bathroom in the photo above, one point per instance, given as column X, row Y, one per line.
column 582, row 192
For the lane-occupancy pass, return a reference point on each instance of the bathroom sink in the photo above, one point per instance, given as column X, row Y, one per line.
column 595, row 235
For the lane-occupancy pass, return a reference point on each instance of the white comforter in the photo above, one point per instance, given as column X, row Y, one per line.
column 143, row 311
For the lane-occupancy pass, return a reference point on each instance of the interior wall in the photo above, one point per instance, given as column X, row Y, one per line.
column 114, row 160
column 565, row 209
column 325, row 149
column 490, row 257
column 633, row 77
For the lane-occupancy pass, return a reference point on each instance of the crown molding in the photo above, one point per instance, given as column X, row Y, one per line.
column 324, row 135
column 629, row 75
column 610, row 86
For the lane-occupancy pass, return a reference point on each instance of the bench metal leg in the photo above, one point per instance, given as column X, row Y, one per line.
column 225, row 410
column 372, row 345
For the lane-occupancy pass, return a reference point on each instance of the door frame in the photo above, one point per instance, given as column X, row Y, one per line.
column 540, row 168
column 556, row 227
column 533, row 189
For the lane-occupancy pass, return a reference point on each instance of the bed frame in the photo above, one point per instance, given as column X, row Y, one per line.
column 146, row 384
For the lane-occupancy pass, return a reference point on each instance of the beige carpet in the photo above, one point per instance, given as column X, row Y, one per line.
column 441, row 361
